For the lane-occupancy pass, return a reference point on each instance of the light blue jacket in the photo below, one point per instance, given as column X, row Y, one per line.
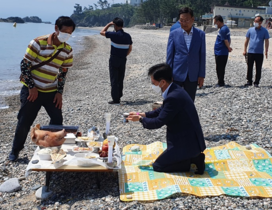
column 185, row 62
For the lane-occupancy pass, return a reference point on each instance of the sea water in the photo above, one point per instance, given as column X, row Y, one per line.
column 14, row 42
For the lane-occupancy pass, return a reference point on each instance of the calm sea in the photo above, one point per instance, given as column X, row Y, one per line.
column 14, row 41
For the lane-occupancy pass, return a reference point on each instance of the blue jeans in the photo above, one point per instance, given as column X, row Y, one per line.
column 28, row 113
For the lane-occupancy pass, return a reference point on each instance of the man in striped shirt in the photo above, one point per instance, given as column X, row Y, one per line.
column 121, row 46
column 43, row 84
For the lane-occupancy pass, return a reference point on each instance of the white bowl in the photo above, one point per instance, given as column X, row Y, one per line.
column 44, row 156
column 70, row 138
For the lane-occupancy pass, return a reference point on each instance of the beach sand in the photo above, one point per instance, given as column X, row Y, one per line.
column 85, row 98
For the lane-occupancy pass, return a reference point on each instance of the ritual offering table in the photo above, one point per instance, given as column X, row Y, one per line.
column 84, row 156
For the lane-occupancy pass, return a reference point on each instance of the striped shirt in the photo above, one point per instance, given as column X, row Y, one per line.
column 41, row 49
column 188, row 37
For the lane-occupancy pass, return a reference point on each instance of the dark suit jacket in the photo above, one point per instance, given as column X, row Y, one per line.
column 184, row 134
column 185, row 62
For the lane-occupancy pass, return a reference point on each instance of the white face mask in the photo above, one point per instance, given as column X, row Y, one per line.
column 63, row 37
column 256, row 25
column 157, row 89
column 215, row 25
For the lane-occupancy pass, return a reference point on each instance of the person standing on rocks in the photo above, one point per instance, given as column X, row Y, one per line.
column 221, row 49
column 186, row 53
column 256, row 36
column 43, row 72
column 185, row 141
column 121, row 46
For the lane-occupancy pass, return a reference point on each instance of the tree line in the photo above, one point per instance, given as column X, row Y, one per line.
column 150, row 11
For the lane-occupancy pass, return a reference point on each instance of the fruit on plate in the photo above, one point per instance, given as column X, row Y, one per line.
column 106, row 142
column 103, row 154
column 105, row 147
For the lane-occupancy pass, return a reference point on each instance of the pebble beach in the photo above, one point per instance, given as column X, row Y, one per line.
column 230, row 113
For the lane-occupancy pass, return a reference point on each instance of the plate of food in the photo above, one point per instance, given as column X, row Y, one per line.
column 82, row 149
column 83, row 139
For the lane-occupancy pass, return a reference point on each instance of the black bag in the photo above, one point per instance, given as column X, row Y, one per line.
column 45, row 62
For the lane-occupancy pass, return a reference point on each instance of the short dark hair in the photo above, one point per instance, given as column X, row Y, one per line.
column 161, row 71
column 218, row 18
column 261, row 18
column 184, row 10
column 118, row 22
column 65, row 21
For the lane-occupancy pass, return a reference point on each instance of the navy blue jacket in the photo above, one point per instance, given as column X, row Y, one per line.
column 184, row 134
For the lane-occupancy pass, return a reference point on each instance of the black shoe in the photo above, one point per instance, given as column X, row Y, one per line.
column 199, row 161
column 13, row 156
column 114, row 102
column 256, row 85
column 248, row 84
column 219, row 85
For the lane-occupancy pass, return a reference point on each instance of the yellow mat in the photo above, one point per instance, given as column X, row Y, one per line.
column 231, row 169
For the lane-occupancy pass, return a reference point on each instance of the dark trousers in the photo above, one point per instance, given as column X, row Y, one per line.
column 221, row 62
column 258, row 59
column 166, row 163
column 190, row 87
column 117, row 74
column 28, row 113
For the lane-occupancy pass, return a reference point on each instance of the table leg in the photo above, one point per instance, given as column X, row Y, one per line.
column 97, row 178
column 47, row 179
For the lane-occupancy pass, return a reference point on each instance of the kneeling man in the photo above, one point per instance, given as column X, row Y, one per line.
column 185, row 141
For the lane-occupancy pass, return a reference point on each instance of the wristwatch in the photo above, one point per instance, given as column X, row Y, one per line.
column 141, row 120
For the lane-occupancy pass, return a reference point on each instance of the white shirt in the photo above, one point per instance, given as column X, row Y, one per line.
column 188, row 37
column 164, row 94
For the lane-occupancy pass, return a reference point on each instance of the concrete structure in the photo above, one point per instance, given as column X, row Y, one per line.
column 135, row 2
column 238, row 16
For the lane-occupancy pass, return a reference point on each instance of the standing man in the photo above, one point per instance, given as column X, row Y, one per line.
column 221, row 49
column 43, row 72
column 186, row 53
column 175, row 26
column 256, row 36
column 121, row 46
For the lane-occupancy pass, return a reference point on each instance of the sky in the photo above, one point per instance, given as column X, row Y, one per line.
column 47, row 10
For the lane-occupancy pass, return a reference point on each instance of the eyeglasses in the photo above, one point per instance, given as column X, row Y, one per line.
column 184, row 21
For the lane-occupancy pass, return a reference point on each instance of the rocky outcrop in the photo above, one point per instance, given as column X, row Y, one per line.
column 32, row 19
column 12, row 20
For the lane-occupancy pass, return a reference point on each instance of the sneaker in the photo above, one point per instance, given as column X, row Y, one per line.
column 256, row 85
column 219, row 85
column 13, row 156
column 248, row 84
column 114, row 102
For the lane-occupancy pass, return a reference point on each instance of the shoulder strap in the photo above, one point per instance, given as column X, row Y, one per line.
column 47, row 61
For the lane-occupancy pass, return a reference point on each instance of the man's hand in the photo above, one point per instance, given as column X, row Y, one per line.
column 134, row 118
column 104, row 30
column 230, row 49
column 135, row 113
column 200, row 81
column 244, row 53
column 266, row 55
column 33, row 94
column 58, row 100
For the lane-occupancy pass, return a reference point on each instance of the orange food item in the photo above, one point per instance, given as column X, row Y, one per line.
column 106, row 142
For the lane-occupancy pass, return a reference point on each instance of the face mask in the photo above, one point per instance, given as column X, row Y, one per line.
column 157, row 89
column 63, row 37
column 256, row 25
column 215, row 25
